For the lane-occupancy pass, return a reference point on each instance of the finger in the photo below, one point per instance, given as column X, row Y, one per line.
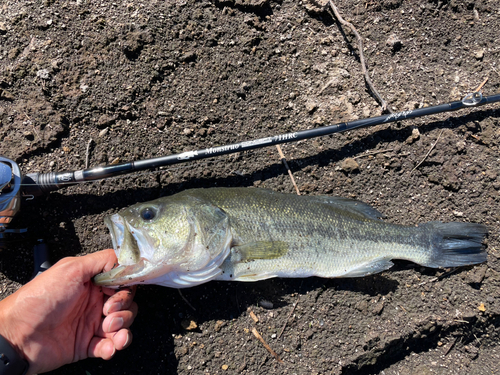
column 117, row 321
column 122, row 339
column 101, row 348
column 120, row 300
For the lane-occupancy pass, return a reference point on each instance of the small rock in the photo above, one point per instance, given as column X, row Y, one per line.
column 415, row 135
column 311, row 106
column 377, row 308
column 105, row 121
column 189, row 325
column 187, row 131
column 225, row 367
column 394, row 42
column 3, row 28
column 218, row 325
column 479, row 54
column 188, row 57
column 266, row 304
column 43, row 74
column 13, row 53
column 103, row 132
column 460, row 145
column 349, row 165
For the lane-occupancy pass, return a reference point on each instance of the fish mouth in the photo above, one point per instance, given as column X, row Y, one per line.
column 116, row 227
column 133, row 250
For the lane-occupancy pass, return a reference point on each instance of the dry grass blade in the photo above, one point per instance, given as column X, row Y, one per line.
column 288, row 317
column 273, row 353
column 285, row 163
column 428, row 152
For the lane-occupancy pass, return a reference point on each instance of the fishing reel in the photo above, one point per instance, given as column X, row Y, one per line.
column 10, row 202
column 10, row 194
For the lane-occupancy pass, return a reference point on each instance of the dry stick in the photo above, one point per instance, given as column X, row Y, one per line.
column 259, row 337
column 373, row 153
column 283, row 160
column 428, row 152
column 482, row 84
column 450, row 347
column 288, row 317
column 361, row 56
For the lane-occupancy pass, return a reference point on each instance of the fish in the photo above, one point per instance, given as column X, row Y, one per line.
column 251, row 234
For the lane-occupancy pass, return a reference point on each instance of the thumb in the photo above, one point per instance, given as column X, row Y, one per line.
column 98, row 262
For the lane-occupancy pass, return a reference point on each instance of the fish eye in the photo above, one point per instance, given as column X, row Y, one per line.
column 148, row 214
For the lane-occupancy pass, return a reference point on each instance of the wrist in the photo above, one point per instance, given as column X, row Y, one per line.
column 11, row 362
column 12, row 359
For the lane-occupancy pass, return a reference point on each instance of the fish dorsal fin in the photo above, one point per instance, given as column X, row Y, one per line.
column 352, row 206
column 258, row 250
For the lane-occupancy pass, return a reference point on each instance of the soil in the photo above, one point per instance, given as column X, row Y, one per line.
column 139, row 79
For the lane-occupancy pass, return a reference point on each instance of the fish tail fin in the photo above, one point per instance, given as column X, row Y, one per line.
column 457, row 244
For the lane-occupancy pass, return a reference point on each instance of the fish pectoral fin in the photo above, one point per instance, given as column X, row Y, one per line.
column 369, row 268
column 258, row 250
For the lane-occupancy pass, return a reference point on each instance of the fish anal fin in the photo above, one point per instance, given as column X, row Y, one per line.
column 258, row 250
column 369, row 268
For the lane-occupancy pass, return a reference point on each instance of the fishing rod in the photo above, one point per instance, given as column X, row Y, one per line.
column 35, row 184
column 13, row 184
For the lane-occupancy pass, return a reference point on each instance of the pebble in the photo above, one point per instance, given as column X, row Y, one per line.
column 349, row 165
column 394, row 42
column 266, row 304
column 311, row 106
column 43, row 74
column 189, row 325
column 103, row 132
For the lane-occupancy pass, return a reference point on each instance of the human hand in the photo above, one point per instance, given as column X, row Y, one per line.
column 62, row 317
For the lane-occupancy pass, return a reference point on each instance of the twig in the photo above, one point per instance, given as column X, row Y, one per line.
column 428, row 152
column 259, row 337
column 87, row 153
column 373, row 153
column 254, row 317
column 481, row 85
column 361, row 56
column 450, row 347
column 288, row 318
column 185, row 300
column 283, row 160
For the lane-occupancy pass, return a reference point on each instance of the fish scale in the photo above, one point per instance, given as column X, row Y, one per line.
column 250, row 234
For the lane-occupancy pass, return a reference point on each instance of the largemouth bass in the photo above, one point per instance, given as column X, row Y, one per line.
column 248, row 234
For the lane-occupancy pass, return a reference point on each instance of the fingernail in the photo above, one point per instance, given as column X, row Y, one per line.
column 115, row 325
column 116, row 306
column 127, row 343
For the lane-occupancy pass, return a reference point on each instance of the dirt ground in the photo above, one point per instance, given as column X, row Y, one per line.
column 140, row 79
